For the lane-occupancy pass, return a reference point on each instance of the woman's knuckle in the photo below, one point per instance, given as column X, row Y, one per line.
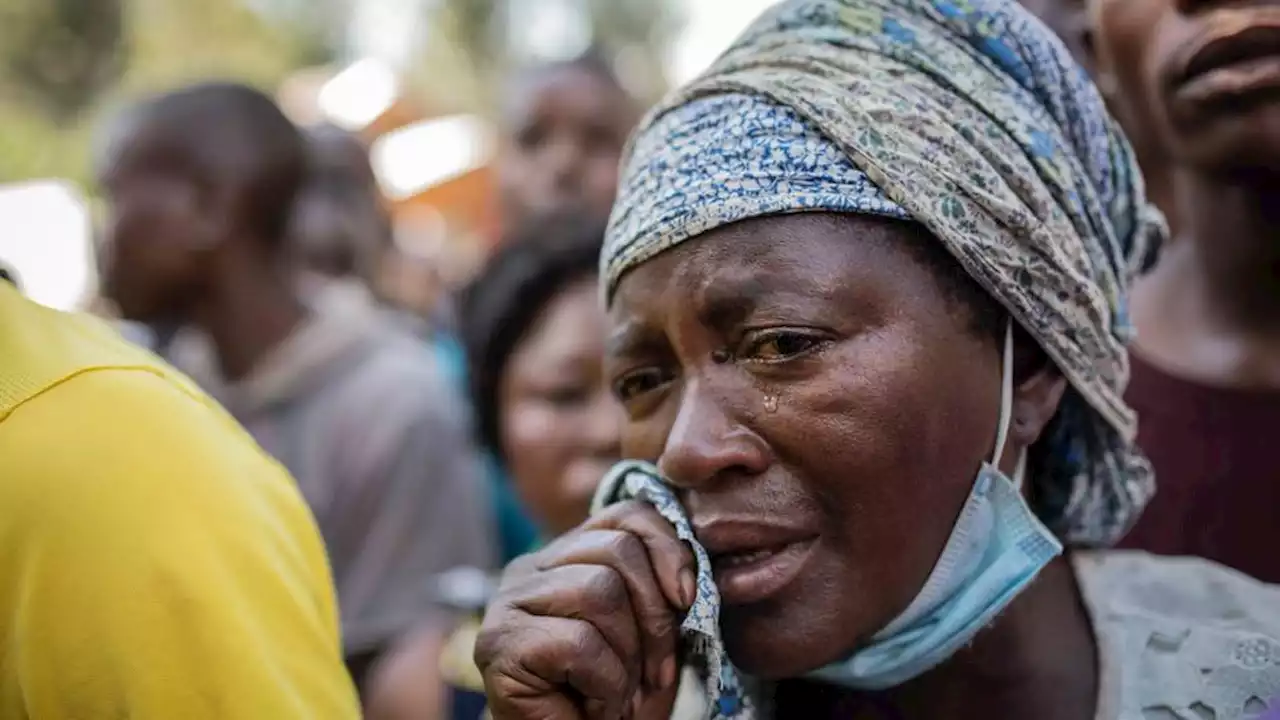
column 489, row 646
column 518, row 575
column 583, row 641
column 627, row 548
column 604, row 592
column 662, row 624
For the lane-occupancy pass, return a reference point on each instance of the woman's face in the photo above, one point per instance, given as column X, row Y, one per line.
column 823, row 407
column 1205, row 74
column 559, row 421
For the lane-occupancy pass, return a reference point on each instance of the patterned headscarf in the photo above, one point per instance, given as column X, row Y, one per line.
column 966, row 116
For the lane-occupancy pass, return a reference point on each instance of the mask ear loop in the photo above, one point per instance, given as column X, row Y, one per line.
column 1006, row 409
column 1006, row 395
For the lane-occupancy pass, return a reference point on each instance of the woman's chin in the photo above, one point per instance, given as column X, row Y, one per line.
column 771, row 646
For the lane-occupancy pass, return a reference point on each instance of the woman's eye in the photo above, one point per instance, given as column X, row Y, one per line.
column 780, row 345
column 638, row 382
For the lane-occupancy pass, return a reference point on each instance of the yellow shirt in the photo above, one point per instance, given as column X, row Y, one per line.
column 154, row 562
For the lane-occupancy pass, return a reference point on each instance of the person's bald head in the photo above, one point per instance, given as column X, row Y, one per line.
column 192, row 176
column 226, row 139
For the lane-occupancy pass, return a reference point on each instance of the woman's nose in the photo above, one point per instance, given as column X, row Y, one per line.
column 707, row 443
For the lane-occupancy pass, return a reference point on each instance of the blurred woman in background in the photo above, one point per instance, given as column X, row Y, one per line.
column 534, row 334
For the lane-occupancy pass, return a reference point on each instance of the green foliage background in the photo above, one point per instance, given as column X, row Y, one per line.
column 64, row 63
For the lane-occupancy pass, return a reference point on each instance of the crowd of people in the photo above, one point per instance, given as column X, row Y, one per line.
column 877, row 373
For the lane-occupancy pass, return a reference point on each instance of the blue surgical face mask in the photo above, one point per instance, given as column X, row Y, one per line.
column 996, row 548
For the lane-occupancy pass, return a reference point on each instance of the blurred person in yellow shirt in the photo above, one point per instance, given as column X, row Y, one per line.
column 154, row 562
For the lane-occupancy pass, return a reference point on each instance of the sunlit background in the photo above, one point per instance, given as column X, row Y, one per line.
column 418, row 79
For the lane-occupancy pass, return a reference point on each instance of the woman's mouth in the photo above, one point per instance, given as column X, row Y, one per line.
column 751, row 575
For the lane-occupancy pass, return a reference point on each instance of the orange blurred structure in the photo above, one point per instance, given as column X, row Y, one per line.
column 445, row 227
column 466, row 203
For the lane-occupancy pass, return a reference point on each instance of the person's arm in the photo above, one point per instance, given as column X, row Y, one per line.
column 166, row 567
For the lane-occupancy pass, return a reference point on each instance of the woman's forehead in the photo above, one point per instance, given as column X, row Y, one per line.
column 796, row 260
column 765, row 254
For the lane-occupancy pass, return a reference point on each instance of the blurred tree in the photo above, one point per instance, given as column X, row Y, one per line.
column 59, row 55
column 63, row 62
column 317, row 25
column 638, row 33
column 177, row 41
column 472, row 33
column 462, row 57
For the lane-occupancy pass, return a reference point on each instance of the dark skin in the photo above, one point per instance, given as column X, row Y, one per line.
column 564, row 129
column 179, row 248
column 1210, row 311
column 822, row 392
column 560, row 423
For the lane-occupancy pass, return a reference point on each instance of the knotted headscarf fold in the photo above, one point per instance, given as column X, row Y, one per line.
column 966, row 116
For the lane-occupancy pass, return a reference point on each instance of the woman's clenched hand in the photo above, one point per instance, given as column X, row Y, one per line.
column 586, row 628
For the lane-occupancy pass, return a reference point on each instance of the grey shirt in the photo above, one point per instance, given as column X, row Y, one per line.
column 1180, row 638
column 358, row 411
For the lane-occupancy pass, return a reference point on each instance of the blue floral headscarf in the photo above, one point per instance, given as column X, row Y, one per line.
column 967, row 116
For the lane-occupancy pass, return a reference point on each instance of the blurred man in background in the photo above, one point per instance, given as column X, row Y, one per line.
column 563, row 128
column 202, row 184
column 155, row 563
column 1206, row 361
column 342, row 233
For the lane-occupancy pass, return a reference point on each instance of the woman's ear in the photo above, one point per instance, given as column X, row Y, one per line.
column 1038, row 388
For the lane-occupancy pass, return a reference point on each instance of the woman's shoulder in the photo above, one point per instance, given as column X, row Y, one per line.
column 1181, row 636
column 1179, row 588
